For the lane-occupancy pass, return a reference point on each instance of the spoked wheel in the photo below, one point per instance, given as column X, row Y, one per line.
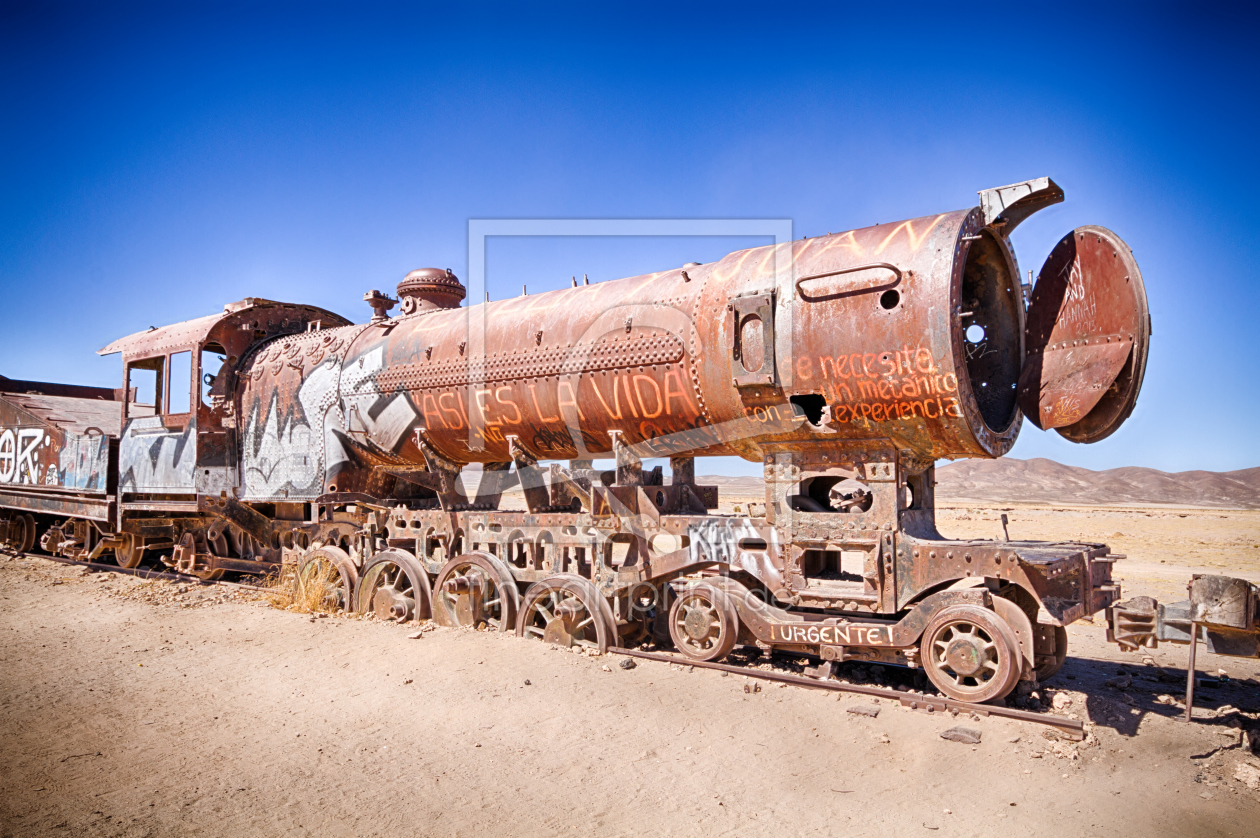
column 1049, row 665
column 475, row 590
column 130, row 552
column 327, row 579
column 394, row 586
column 970, row 654
column 703, row 622
column 567, row 610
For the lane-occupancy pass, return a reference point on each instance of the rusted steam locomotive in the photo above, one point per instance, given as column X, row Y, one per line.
column 846, row 364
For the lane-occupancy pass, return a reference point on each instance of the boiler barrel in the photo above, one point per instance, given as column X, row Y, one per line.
column 866, row 329
column 851, row 336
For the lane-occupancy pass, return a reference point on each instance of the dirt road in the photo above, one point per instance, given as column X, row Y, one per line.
column 134, row 708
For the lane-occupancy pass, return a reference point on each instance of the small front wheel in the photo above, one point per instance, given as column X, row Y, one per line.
column 130, row 550
column 703, row 622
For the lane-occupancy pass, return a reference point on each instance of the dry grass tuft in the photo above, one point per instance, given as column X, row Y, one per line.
column 309, row 592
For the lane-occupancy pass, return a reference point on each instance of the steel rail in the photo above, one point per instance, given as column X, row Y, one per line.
column 141, row 572
column 1073, row 729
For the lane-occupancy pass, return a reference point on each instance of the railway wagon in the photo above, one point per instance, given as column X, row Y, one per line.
column 442, row 461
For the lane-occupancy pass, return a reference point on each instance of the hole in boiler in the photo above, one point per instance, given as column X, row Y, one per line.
column 975, row 333
column 809, row 405
column 890, row 298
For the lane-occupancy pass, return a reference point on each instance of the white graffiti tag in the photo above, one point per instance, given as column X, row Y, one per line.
column 8, row 456
column 17, row 455
column 719, row 540
column 284, row 454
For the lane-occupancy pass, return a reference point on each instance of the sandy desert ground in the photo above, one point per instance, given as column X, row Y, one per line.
column 147, row 708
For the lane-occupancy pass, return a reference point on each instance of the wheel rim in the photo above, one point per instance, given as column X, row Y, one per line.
column 703, row 623
column 392, row 590
column 322, row 573
column 699, row 624
column 567, row 610
column 28, row 533
column 967, row 654
column 128, row 554
column 328, row 577
column 971, row 655
column 561, row 617
column 470, row 592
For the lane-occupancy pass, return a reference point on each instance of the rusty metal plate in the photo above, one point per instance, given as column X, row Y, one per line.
column 1087, row 336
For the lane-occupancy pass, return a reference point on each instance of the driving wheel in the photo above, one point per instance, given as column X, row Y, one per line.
column 970, row 654
column 394, row 586
column 568, row 611
column 327, row 579
column 475, row 590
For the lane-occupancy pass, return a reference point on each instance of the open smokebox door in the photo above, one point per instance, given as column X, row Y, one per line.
column 1088, row 329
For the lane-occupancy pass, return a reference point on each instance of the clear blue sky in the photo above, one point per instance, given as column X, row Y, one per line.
column 158, row 161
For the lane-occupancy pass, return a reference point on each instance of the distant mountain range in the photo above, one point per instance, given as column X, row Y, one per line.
column 1045, row 481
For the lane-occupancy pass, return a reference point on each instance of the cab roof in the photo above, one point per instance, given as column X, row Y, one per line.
column 191, row 333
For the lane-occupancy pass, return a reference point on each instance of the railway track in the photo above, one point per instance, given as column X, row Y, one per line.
column 140, row 572
column 1071, row 729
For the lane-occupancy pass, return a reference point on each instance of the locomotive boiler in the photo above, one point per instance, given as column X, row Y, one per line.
column 379, row 455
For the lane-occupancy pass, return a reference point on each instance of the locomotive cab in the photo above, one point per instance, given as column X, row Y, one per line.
column 179, row 433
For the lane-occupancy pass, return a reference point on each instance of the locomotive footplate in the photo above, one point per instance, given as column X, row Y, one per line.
column 839, row 638
column 1070, row 580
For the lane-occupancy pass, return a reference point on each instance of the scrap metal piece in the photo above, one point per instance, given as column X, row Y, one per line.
column 1222, row 612
column 1133, row 624
column 1006, row 206
column 1223, row 601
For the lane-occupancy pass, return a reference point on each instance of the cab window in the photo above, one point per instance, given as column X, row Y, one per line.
column 180, row 399
column 160, row 386
column 144, row 386
column 212, row 358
